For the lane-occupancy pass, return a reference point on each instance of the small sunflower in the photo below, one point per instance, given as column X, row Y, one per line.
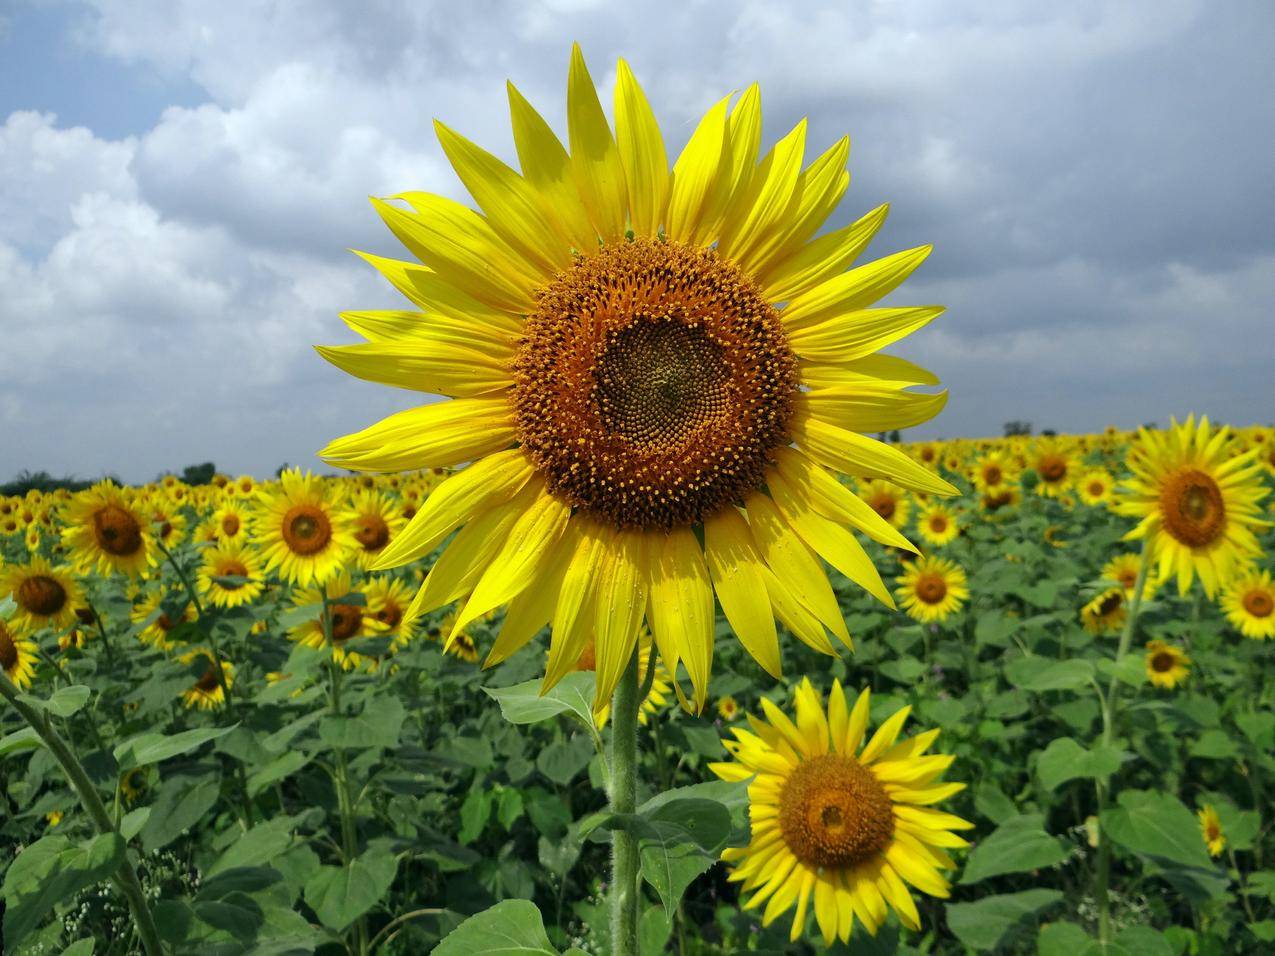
column 45, row 596
column 727, row 708
column 230, row 521
column 1167, row 666
column 1001, row 496
column 376, row 520
column 1198, row 502
column 1123, row 570
column 348, row 621
column 230, row 575
column 1095, row 487
column 106, row 533
column 160, row 614
column 300, row 529
column 1211, row 829
column 845, row 824
column 937, row 524
column 1056, row 467
column 888, row 500
column 134, row 783
column 17, row 657
column 207, row 693
column 932, row 589
column 245, row 486
column 168, row 524
column 388, row 601
column 994, row 470
column 1106, row 613
column 1249, row 603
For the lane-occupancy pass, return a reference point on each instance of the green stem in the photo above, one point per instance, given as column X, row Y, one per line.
column 624, row 847
column 125, row 877
column 203, row 626
column 1103, row 878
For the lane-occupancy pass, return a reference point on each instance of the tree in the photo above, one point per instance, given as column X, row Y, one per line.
column 200, row 474
column 1017, row 427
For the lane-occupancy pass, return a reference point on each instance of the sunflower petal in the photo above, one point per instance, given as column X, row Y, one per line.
column 737, row 578
column 853, row 290
column 620, row 603
column 822, row 259
column 431, row 436
column 595, row 158
column 441, row 368
column 642, row 152
column 694, row 177
column 681, row 598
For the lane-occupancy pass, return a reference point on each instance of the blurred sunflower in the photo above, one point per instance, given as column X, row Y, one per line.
column 994, row 470
column 388, row 600
column 1198, row 503
column 1095, row 487
column 301, row 531
column 231, row 521
column 134, row 783
column 887, row 500
column 376, row 520
column 17, row 657
column 932, row 589
column 845, row 824
column 1249, row 603
column 168, row 524
column 348, row 621
column 207, row 692
column 1106, row 613
column 245, row 486
column 1123, row 570
column 159, row 614
column 728, row 708
column 1055, row 465
column 1167, row 666
column 1211, row 829
column 45, row 596
column 937, row 524
column 106, row 534
column 230, row 575
column 615, row 412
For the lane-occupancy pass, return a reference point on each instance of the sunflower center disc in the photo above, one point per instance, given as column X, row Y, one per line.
column 8, row 650
column 833, row 813
column 931, row 588
column 232, row 569
column 208, row 682
column 884, row 507
column 306, row 529
column 230, row 525
column 1053, row 468
column 390, row 615
column 346, row 619
column 373, row 533
column 117, row 532
column 1259, row 603
column 652, row 384
column 992, row 475
column 1162, row 662
column 41, row 594
column 1193, row 510
column 1110, row 603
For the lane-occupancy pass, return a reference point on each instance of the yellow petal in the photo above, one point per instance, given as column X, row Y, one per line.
column 458, row 244
column 547, row 167
column 573, row 613
column 873, row 407
column 736, row 567
column 877, row 367
column 424, row 329
column 620, row 602
column 487, row 482
column 595, row 159
column 853, row 290
column 854, row 335
column 738, row 168
column 511, row 203
column 642, row 152
column 745, row 234
column 858, row 722
column 428, row 290
column 838, row 717
column 681, row 598
column 885, row 736
column 795, row 616
column 694, row 179
column 822, row 259
column 438, row 367
column 531, row 609
column 431, row 436
column 819, row 190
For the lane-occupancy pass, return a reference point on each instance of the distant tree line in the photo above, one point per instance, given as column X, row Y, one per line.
column 201, row 474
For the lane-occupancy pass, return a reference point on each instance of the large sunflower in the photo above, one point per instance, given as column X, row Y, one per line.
column 656, row 375
column 301, row 529
column 1197, row 501
column 847, row 824
column 105, row 533
column 45, row 596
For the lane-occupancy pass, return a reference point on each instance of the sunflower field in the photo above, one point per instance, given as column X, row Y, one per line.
column 635, row 639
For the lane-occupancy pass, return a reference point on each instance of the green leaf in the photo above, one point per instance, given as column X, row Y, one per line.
column 20, row 740
column 994, row 629
column 1017, row 845
column 562, row 760
column 474, row 814
column 341, row 894
column 1215, row 745
column 51, row 871
column 1157, row 825
column 1130, row 669
column 509, row 808
column 1062, row 939
column 378, row 725
column 259, row 846
column 524, row 704
column 147, row 749
column 1042, row 674
column 182, row 802
column 64, row 702
column 677, row 842
column 510, row 928
column 1064, row 760
column 133, row 821
column 81, row 947
column 243, row 879
column 237, row 914
column 984, row 924
column 276, row 770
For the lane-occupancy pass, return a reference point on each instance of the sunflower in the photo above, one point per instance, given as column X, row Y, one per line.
column 231, row 521
column 376, row 520
column 1106, row 613
column 1123, row 570
column 45, row 596
column 1167, row 666
column 17, row 657
column 849, row 824
column 207, row 692
column 106, row 533
column 994, row 470
column 348, row 621
column 245, row 486
column 1211, row 829
column 462, row 645
column 159, row 614
column 1198, row 503
column 134, row 783
column 388, row 600
column 1001, row 496
column 300, row 529
column 887, row 500
column 937, row 524
column 230, row 575
column 1249, row 603
column 1095, row 486
column 1056, row 467
column 932, row 589
column 623, row 379
column 168, row 524
column 728, row 708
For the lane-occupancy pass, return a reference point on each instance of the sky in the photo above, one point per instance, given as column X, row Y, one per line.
column 181, row 184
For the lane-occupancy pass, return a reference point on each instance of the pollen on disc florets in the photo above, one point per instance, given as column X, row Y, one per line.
column 652, row 384
column 834, row 813
column 1192, row 508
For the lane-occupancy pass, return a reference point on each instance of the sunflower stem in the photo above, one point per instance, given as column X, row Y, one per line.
column 125, row 877
column 624, row 848
column 1104, row 788
column 203, row 626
